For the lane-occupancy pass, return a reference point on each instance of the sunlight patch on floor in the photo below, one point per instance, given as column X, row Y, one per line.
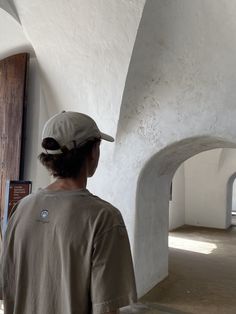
column 1, row 307
column 191, row 245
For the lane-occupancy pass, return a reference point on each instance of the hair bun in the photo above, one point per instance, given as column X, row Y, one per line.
column 50, row 143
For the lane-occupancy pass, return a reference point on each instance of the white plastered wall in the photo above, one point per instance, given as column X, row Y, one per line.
column 177, row 203
column 174, row 92
column 234, row 197
column 206, row 189
column 205, row 193
column 35, row 117
column 12, row 38
column 83, row 49
column 13, row 41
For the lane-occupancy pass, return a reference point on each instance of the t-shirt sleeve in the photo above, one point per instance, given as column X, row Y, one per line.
column 112, row 278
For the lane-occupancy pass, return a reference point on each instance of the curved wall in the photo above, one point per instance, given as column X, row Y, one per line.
column 83, row 49
column 9, row 7
column 179, row 86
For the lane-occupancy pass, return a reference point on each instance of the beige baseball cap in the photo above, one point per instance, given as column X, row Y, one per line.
column 72, row 129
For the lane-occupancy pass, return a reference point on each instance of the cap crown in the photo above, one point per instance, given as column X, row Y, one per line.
column 70, row 128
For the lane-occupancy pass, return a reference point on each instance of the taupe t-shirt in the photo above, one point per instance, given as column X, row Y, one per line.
column 66, row 252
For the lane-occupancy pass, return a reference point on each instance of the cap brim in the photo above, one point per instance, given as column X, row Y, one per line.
column 107, row 137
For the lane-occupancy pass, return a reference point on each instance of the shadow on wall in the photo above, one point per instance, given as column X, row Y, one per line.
column 10, row 8
column 152, row 207
column 49, row 95
column 13, row 39
column 41, row 101
column 138, row 98
column 42, row 104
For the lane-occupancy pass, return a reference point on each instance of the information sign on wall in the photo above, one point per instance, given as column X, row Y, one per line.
column 15, row 191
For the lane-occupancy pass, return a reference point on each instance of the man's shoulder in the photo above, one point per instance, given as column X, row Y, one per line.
column 103, row 203
column 107, row 215
column 105, row 207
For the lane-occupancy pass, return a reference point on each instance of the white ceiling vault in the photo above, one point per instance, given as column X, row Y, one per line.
column 9, row 7
column 83, row 49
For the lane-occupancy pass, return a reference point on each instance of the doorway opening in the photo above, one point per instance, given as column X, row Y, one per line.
column 231, row 198
column 201, row 263
column 152, row 204
column 233, row 209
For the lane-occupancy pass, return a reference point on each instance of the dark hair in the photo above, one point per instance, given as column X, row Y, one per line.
column 69, row 163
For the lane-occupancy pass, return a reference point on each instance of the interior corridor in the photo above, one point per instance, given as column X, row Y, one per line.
column 202, row 276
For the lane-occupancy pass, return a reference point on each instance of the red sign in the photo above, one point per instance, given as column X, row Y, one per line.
column 17, row 190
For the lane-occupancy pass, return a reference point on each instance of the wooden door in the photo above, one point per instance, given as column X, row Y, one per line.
column 13, row 73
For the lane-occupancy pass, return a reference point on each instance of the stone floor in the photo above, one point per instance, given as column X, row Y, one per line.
column 234, row 220
column 149, row 308
column 202, row 272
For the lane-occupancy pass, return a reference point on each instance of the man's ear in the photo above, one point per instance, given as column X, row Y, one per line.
column 95, row 150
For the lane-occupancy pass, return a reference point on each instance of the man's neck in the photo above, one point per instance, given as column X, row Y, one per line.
column 68, row 184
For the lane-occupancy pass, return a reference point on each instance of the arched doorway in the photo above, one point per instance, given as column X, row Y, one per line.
column 201, row 258
column 203, row 190
column 197, row 252
column 231, row 197
column 233, row 208
column 152, row 203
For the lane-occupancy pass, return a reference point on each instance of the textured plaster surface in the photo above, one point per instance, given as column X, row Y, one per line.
column 179, row 86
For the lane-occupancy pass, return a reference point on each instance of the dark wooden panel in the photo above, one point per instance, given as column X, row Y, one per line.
column 13, row 72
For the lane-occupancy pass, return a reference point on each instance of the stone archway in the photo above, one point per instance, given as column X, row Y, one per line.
column 152, row 204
